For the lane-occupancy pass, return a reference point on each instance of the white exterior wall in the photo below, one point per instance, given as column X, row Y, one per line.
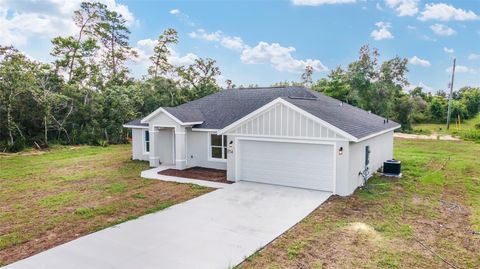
column 162, row 120
column 342, row 164
column 381, row 149
column 138, row 144
column 188, row 148
column 197, row 151
column 283, row 122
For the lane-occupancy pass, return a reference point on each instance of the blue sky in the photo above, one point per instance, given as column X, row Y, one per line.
column 262, row 42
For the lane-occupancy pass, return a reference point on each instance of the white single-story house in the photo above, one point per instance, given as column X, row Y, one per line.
column 289, row 136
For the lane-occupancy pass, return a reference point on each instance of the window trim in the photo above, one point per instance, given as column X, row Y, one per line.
column 223, row 147
column 145, row 151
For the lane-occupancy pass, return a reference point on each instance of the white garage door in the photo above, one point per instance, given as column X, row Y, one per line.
column 289, row 164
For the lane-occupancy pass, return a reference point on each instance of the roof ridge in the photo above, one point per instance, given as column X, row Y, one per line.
column 263, row 87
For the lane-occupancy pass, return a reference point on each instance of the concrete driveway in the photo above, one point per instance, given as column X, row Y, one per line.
column 217, row 230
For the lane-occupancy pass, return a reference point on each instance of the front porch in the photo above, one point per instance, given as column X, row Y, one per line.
column 168, row 147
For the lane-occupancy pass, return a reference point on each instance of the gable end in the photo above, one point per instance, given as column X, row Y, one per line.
column 280, row 119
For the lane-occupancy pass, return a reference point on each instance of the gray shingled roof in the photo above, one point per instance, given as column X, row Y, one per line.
column 136, row 122
column 353, row 120
column 227, row 106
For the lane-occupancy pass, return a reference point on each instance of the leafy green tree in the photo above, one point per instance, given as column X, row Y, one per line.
column 74, row 53
column 201, row 76
column 470, row 97
column 160, row 64
column 16, row 76
column 307, row 76
column 418, row 92
column 402, row 111
column 113, row 34
column 335, row 85
column 438, row 108
column 286, row 84
column 125, row 100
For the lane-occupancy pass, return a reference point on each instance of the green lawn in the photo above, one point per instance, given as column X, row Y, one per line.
column 50, row 197
column 466, row 129
column 428, row 219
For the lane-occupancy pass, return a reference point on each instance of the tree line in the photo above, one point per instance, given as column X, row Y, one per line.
column 380, row 88
column 87, row 93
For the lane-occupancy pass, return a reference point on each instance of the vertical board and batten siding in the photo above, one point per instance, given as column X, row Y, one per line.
column 283, row 121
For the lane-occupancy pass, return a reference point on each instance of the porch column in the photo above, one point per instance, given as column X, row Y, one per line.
column 154, row 155
column 180, row 148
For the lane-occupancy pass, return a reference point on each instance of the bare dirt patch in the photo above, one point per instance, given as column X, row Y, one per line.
column 202, row 173
column 433, row 136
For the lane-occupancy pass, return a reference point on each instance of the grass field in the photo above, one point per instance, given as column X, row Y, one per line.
column 50, row 197
column 430, row 218
column 466, row 129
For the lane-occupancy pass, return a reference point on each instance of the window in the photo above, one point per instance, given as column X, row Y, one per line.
column 218, row 147
column 367, row 156
column 147, row 141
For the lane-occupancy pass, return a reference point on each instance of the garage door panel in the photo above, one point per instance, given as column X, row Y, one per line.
column 273, row 164
column 291, row 174
column 302, row 165
column 291, row 180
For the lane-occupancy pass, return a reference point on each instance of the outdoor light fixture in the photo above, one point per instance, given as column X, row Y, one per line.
column 230, row 147
column 340, row 151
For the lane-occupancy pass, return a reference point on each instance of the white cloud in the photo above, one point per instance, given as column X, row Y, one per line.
column 461, row 69
column 444, row 12
column 182, row 17
column 321, row 2
column 279, row 57
column 417, row 61
column 22, row 20
column 202, row 34
column 276, row 55
column 448, row 50
column 145, row 47
column 382, row 32
column 229, row 42
column 442, row 30
column 235, row 43
column 403, row 7
column 474, row 56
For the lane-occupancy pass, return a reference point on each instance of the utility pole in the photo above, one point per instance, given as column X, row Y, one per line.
column 450, row 96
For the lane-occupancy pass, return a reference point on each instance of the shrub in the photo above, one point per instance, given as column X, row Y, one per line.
column 18, row 145
column 101, row 142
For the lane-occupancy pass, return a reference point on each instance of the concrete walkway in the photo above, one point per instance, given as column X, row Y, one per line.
column 217, row 230
column 153, row 174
